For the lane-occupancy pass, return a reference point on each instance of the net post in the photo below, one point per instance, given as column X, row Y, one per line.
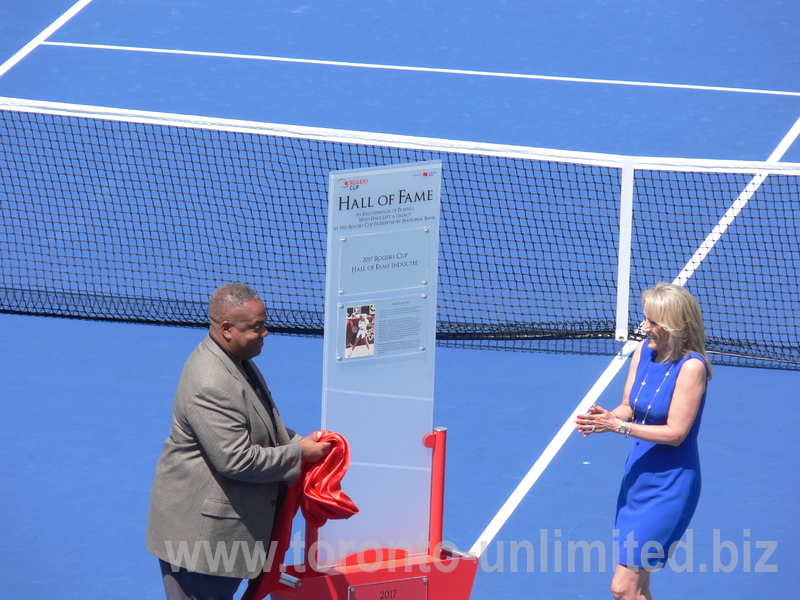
column 624, row 251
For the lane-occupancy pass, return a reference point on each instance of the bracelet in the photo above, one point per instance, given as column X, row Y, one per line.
column 628, row 428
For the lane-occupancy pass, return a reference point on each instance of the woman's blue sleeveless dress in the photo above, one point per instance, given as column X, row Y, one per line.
column 661, row 485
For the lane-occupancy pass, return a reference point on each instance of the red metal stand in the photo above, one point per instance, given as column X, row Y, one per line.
column 389, row 573
column 438, row 442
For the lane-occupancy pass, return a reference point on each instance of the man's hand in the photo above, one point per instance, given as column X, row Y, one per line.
column 312, row 450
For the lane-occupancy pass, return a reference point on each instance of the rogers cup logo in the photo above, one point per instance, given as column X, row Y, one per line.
column 353, row 184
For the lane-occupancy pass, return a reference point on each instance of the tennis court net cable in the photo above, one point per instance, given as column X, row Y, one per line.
column 137, row 216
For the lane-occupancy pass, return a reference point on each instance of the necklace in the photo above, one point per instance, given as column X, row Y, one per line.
column 658, row 389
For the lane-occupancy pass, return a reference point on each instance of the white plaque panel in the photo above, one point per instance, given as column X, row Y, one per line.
column 380, row 339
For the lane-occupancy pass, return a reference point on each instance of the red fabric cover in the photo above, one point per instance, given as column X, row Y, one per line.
column 318, row 494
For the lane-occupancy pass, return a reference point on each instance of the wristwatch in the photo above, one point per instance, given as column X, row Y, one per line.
column 622, row 427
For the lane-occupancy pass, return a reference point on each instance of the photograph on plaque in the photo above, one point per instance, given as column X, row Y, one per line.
column 388, row 327
column 360, row 331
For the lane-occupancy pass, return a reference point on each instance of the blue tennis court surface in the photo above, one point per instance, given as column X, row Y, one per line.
column 87, row 404
column 750, row 46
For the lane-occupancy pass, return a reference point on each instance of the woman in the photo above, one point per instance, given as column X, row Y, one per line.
column 363, row 334
column 661, row 408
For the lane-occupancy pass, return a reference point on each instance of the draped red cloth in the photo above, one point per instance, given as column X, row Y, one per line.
column 318, row 494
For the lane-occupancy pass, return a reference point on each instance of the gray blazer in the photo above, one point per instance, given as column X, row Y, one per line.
column 218, row 478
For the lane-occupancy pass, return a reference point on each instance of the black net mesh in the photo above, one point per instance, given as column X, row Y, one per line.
column 116, row 220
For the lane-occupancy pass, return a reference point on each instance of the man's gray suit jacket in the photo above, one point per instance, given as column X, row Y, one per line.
column 220, row 471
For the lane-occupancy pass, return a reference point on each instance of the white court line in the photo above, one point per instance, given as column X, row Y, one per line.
column 736, row 208
column 335, row 63
column 482, row 543
column 479, row 547
column 40, row 39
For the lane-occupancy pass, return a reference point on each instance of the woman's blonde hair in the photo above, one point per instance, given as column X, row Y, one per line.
column 675, row 309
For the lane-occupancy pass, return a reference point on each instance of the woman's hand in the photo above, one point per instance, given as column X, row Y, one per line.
column 597, row 420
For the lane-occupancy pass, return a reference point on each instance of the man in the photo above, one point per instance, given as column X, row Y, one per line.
column 228, row 457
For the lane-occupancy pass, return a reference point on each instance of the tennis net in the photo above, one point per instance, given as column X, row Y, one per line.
column 133, row 216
